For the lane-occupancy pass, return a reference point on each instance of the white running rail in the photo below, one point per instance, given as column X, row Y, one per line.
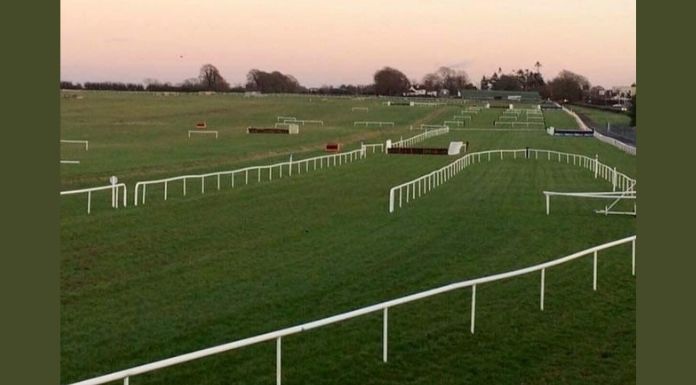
column 383, row 307
column 373, row 123
column 202, row 132
column 616, row 143
column 420, row 137
column 85, row 142
column 337, row 159
column 115, row 190
column 422, row 185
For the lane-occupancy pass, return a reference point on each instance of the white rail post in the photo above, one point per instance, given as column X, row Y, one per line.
column 541, row 299
column 594, row 272
column 165, row 190
column 385, row 335
column 125, row 381
column 89, row 202
column 144, row 187
column 184, row 186
column 202, row 185
column 548, row 204
column 218, row 181
column 473, row 308
column 278, row 361
column 633, row 257
column 596, row 165
column 391, row 201
column 613, row 180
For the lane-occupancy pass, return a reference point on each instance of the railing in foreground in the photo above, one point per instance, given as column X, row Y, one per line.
column 320, row 161
column 115, row 188
column 420, row 137
column 383, row 307
column 422, row 185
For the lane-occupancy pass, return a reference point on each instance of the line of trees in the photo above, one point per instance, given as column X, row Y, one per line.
column 566, row 86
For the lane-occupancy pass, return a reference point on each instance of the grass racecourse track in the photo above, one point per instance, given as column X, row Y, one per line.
column 139, row 284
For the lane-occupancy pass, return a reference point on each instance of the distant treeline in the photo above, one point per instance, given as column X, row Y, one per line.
column 566, row 87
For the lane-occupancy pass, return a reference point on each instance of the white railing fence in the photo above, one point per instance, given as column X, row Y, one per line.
column 85, row 142
column 383, row 307
column 115, row 191
column 374, row 146
column 616, row 196
column 422, row 185
column 259, row 172
column 616, row 143
column 420, row 137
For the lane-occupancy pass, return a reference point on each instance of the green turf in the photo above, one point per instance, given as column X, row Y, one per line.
column 145, row 283
column 604, row 117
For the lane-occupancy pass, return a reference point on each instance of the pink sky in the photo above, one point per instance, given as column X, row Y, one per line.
column 334, row 42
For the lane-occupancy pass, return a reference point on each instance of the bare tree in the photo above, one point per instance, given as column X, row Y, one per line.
column 211, row 80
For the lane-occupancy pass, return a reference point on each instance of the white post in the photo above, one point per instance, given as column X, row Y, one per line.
column 594, row 273
column 278, row 361
column 202, row 185
column 613, row 180
column 218, row 181
column 473, row 308
column 633, row 257
column 184, row 186
column 125, row 381
column 596, row 165
column 165, row 190
column 384, row 335
column 541, row 301
column 548, row 206
column 391, row 201
column 89, row 202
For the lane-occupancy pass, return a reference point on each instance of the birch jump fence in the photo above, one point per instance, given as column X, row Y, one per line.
column 383, row 307
column 261, row 172
column 415, row 188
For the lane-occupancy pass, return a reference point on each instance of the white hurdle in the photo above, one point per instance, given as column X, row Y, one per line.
column 85, row 142
column 202, row 132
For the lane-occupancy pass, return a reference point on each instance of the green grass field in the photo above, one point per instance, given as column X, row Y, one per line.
column 145, row 283
column 604, row 117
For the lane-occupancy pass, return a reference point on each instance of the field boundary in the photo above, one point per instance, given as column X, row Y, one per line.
column 383, row 307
